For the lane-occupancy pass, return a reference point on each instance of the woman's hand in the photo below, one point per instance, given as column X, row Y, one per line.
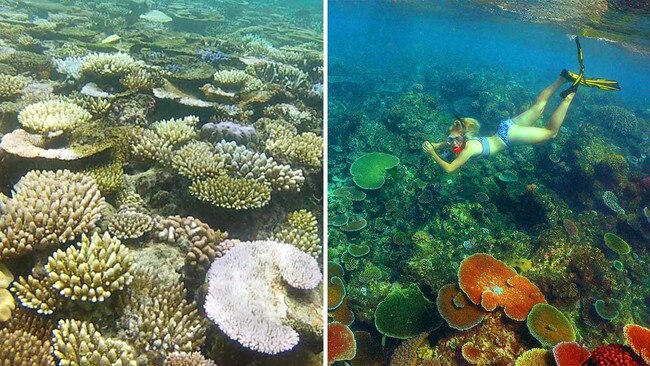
column 429, row 147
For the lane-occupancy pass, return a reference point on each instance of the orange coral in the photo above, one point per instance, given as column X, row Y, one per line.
column 456, row 308
column 491, row 283
column 343, row 314
column 341, row 344
column 472, row 354
column 335, row 293
column 638, row 338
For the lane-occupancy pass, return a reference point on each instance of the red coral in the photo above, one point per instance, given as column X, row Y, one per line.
column 341, row 344
column 638, row 338
column 614, row 355
column 570, row 354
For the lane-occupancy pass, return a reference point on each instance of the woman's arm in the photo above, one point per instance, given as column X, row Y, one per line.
column 459, row 161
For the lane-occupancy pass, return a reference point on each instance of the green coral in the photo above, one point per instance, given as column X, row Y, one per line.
column 368, row 171
column 405, row 313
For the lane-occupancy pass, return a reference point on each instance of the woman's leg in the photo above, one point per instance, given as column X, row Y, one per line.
column 531, row 115
column 534, row 135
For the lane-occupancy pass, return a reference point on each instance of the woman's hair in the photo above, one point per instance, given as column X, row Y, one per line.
column 471, row 126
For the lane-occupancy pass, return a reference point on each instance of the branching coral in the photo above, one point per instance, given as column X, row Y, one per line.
column 107, row 64
column 290, row 113
column 187, row 359
column 7, row 304
column 92, row 270
column 147, row 144
column 79, row 343
column 109, row 177
column 206, row 244
column 20, row 348
column 48, row 208
column 53, row 116
column 10, row 86
column 36, row 292
column 236, row 81
column 287, row 76
column 246, row 292
column 233, row 193
column 286, row 144
column 158, row 319
column 246, row 163
column 176, row 131
column 130, row 222
column 301, row 230
column 139, row 79
column 197, row 159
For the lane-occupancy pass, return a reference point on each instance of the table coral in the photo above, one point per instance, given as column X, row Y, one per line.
column 457, row 310
column 341, row 344
column 549, row 326
column 246, row 292
column 638, row 338
column 570, row 353
column 405, row 313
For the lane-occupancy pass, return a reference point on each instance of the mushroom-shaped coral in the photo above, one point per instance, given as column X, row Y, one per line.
column 79, row 343
column 405, row 313
column 301, row 230
column 130, row 222
column 549, row 326
column 159, row 319
column 456, row 308
column 570, row 353
column 638, row 338
column 232, row 193
column 368, row 171
column 187, row 359
column 341, row 345
column 247, row 290
column 491, row 283
column 48, row 208
column 91, row 270
column 53, row 117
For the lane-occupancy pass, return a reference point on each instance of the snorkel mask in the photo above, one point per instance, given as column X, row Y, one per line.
column 451, row 139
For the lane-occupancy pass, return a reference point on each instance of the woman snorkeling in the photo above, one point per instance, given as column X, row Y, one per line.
column 518, row 130
column 465, row 144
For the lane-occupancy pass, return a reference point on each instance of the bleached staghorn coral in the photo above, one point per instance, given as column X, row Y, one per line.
column 175, row 130
column 48, row 208
column 130, row 222
column 290, row 113
column 108, row 64
column 92, row 270
column 158, row 319
column 36, row 292
column 247, row 288
column 53, row 116
column 206, row 244
column 284, row 142
column 70, row 66
column 78, row 343
column 289, row 77
column 245, row 163
column 300, row 230
column 232, row 193
column 197, row 159
column 10, row 86
column 187, row 359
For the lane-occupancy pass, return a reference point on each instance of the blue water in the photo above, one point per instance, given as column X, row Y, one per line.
column 386, row 36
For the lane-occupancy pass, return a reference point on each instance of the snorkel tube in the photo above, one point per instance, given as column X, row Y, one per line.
column 458, row 149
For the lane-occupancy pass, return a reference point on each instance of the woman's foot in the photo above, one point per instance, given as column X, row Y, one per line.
column 570, row 90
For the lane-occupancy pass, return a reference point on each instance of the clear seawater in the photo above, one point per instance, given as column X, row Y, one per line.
column 398, row 71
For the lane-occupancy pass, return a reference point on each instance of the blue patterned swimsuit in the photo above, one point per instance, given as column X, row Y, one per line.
column 502, row 131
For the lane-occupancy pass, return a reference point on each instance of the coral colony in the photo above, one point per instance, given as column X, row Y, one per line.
column 138, row 175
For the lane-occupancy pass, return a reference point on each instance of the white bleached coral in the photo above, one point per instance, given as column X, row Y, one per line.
column 53, row 116
column 247, row 289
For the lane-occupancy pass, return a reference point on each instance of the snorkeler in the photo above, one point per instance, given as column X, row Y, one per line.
column 465, row 144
